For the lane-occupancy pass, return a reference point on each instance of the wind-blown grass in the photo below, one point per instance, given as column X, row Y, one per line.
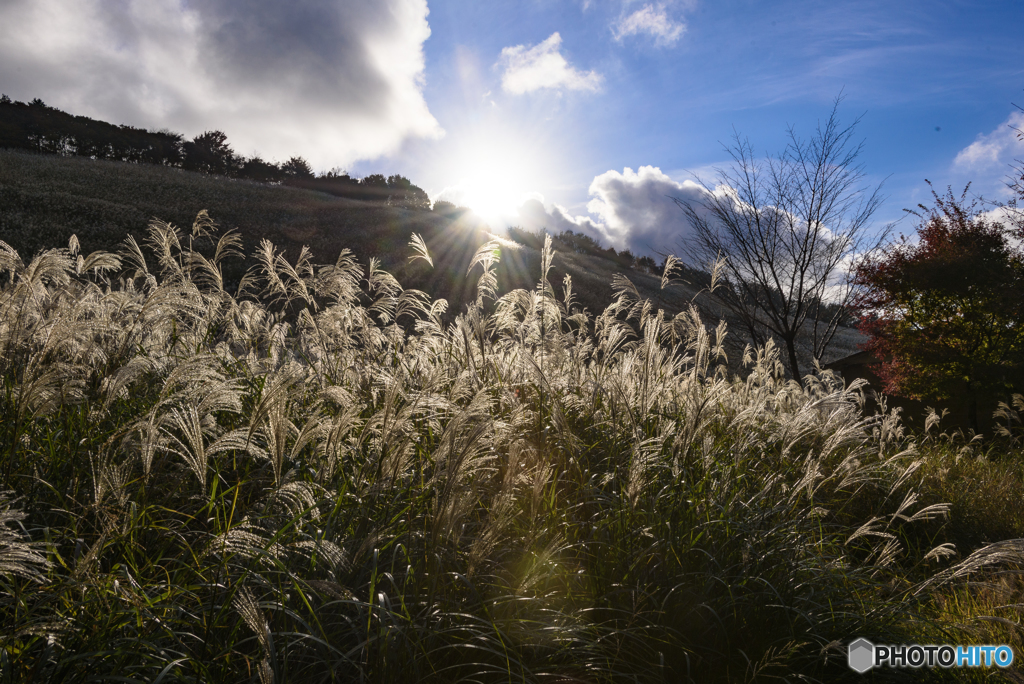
column 313, row 478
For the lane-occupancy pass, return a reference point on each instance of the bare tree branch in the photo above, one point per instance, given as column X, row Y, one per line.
column 789, row 228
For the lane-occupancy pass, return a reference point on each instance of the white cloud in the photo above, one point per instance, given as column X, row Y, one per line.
column 988, row 159
column 1013, row 219
column 652, row 20
column 634, row 210
column 628, row 210
column 542, row 66
column 534, row 216
column 332, row 81
column 637, row 209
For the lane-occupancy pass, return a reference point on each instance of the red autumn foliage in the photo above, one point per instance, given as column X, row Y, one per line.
column 945, row 313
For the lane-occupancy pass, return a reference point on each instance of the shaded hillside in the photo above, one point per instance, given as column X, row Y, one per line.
column 45, row 199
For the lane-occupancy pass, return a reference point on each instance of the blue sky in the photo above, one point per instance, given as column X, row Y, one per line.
column 534, row 110
column 927, row 79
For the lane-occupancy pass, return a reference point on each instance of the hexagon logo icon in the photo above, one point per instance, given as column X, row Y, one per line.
column 861, row 655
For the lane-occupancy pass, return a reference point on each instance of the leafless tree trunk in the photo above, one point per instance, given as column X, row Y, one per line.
column 789, row 229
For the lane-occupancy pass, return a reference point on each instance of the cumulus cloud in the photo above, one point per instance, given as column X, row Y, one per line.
column 542, row 66
column 632, row 210
column 651, row 20
column 989, row 158
column 637, row 209
column 332, row 81
column 534, row 216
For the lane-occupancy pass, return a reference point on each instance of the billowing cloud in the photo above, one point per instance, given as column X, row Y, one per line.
column 542, row 66
column 637, row 209
column 988, row 159
column 332, row 81
column 628, row 210
column 653, row 21
column 534, row 216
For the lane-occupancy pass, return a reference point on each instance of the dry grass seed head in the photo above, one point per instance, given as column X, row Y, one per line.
column 18, row 557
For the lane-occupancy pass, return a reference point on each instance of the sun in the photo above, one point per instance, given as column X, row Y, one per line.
column 495, row 175
column 494, row 187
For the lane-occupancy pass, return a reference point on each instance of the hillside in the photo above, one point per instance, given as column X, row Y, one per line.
column 45, row 199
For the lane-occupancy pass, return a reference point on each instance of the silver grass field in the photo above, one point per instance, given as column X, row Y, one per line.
column 316, row 478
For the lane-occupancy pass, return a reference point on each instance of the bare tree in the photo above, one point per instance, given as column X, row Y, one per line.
column 789, row 229
column 1014, row 209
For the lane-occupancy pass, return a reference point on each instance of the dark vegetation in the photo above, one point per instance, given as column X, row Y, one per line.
column 572, row 242
column 945, row 313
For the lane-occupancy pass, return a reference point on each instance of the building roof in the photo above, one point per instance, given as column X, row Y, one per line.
column 861, row 358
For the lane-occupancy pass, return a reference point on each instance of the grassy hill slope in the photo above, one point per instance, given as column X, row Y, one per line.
column 44, row 200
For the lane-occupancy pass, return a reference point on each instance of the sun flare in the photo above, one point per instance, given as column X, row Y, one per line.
column 495, row 176
column 492, row 187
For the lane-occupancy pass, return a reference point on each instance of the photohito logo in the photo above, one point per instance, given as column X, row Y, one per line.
column 862, row 655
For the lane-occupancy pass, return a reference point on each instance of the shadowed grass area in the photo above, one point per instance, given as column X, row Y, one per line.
column 315, row 477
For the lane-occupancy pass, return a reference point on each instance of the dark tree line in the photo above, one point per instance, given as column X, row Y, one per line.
column 40, row 128
column 394, row 190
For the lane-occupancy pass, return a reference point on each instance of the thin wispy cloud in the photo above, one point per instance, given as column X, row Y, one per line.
column 650, row 20
column 542, row 66
column 334, row 82
column 988, row 162
column 996, row 150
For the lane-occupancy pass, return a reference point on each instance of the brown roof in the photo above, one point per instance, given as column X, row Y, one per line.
column 861, row 358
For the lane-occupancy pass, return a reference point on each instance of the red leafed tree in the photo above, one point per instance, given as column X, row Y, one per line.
column 945, row 314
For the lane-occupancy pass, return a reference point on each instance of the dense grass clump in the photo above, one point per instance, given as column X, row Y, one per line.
column 313, row 478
